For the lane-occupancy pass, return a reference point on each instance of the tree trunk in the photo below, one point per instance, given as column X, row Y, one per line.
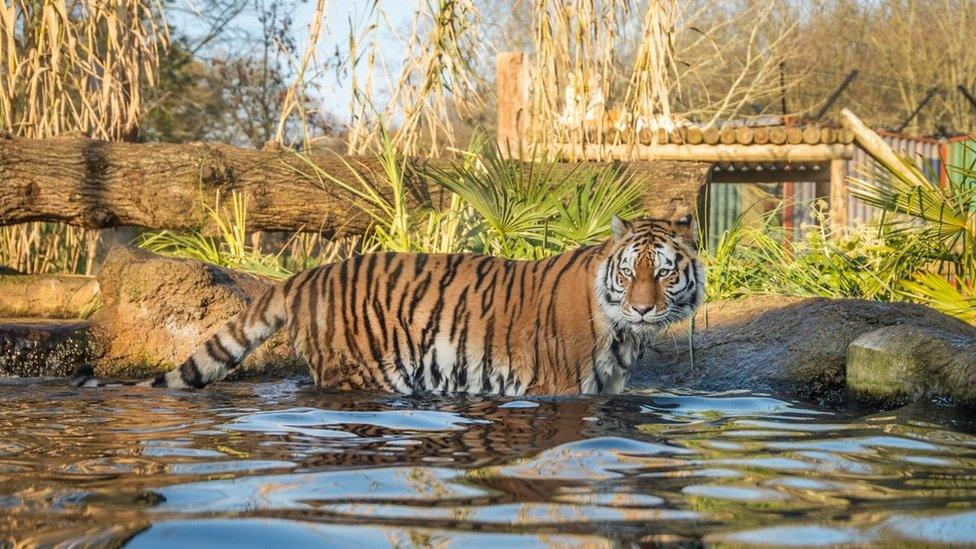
column 98, row 184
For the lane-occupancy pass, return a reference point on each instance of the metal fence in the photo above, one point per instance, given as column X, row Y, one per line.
column 961, row 156
column 941, row 161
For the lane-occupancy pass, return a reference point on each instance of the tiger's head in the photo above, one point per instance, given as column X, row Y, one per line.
column 652, row 276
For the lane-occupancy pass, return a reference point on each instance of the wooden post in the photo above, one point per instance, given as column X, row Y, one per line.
column 789, row 211
column 944, row 164
column 872, row 144
column 838, row 195
column 513, row 81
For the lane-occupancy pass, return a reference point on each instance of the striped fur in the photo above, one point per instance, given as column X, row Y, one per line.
column 409, row 323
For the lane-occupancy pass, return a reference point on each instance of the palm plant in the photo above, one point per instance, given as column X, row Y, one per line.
column 515, row 205
column 584, row 216
column 532, row 210
column 943, row 219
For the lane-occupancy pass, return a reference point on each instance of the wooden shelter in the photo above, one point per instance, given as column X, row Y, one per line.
column 740, row 153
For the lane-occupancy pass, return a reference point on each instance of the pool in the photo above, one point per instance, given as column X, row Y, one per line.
column 268, row 464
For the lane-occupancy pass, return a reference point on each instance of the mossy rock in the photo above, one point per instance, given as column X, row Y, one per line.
column 46, row 295
column 913, row 363
column 791, row 346
column 31, row 347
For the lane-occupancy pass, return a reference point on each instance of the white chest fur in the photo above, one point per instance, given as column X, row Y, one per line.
column 614, row 362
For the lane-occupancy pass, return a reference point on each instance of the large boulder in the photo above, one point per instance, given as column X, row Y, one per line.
column 914, row 363
column 794, row 346
column 156, row 310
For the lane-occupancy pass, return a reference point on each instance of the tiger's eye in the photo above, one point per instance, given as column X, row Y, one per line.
column 626, row 271
column 664, row 273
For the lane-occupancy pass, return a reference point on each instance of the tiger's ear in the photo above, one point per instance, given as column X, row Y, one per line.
column 686, row 228
column 619, row 227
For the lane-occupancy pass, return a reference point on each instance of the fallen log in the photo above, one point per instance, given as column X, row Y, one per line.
column 98, row 184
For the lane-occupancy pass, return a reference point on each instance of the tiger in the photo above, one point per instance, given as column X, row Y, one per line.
column 574, row 323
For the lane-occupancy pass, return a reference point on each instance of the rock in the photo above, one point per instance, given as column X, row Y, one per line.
column 47, row 295
column 917, row 363
column 788, row 345
column 156, row 310
column 32, row 347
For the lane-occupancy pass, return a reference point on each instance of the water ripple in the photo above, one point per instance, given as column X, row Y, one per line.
column 257, row 464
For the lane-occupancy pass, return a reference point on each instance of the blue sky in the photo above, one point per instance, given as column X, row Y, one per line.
column 335, row 33
column 336, row 95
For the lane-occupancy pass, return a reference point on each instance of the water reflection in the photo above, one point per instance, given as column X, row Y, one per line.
column 248, row 463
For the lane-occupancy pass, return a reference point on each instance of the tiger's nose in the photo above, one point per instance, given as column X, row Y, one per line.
column 642, row 310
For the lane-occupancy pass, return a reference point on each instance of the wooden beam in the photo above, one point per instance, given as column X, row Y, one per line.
column 772, row 176
column 712, row 153
column 513, row 87
column 875, row 146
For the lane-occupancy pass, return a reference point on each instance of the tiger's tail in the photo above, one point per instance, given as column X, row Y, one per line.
column 220, row 353
column 227, row 348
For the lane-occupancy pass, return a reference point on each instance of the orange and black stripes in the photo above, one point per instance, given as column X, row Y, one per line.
column 467, row 323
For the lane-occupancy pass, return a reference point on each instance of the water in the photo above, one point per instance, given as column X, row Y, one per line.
column 264, row 464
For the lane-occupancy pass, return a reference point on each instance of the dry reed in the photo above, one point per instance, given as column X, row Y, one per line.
column 72, row 67
column 438, row 81
column 651, row 59
column 295, row 96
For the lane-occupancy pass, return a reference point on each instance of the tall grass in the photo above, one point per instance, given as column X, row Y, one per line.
column 530, row 210
column 230, row 248
column 866, row 262
column 888, row 260
column 47, row 248
column 72, row 67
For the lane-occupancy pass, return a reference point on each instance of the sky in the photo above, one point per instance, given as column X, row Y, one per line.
column 340, row 14
column 337, row 95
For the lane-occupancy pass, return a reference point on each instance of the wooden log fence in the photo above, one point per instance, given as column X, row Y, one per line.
column 807, row 147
